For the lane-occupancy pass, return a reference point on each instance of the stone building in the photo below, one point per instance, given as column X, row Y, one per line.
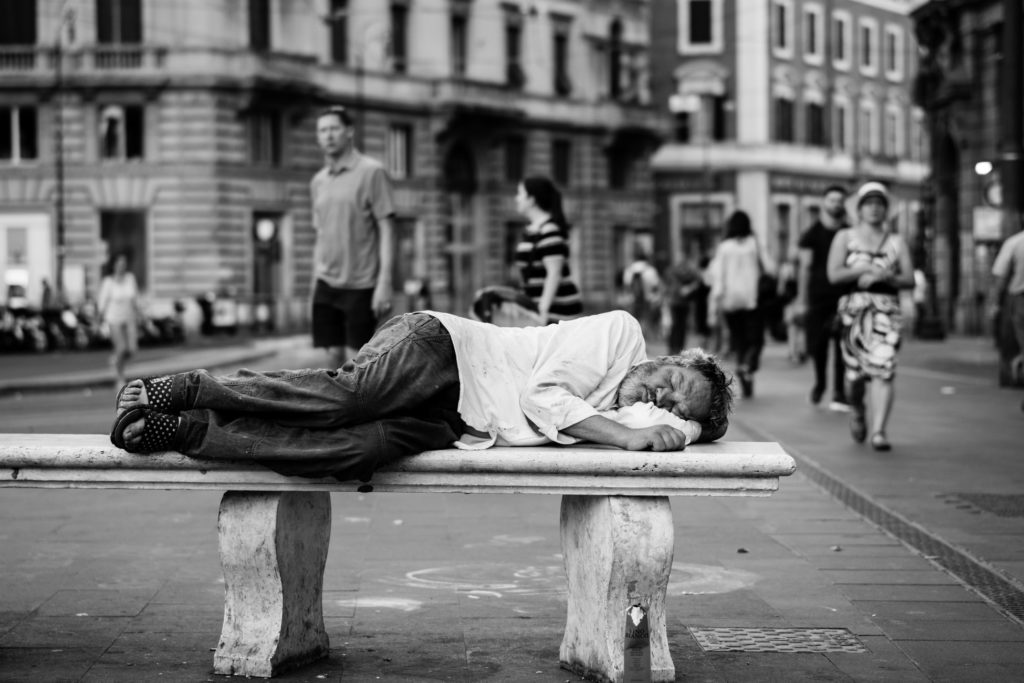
column 188, row 138
column 775, row 100
column 960, row 85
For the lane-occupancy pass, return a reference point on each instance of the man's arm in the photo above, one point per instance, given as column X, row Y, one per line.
column 599, row 429
column 386, row 247
column 803, row 280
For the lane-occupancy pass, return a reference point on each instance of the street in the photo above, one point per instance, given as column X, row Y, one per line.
column 124, row 585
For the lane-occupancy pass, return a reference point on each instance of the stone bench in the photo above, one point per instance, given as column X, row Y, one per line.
column 616, row 530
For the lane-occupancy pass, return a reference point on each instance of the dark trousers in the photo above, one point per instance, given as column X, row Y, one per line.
column 820, row 336
column 746, row 335
column 397, row 397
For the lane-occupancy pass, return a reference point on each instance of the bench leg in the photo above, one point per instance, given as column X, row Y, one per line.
column 273, row 549
column 617, row 552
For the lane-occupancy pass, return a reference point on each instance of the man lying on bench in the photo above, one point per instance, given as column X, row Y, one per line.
column 429, row 380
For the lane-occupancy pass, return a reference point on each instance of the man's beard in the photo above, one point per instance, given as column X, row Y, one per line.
column 632, row 389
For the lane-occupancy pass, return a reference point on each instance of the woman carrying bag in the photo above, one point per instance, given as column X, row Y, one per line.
column 876, row 265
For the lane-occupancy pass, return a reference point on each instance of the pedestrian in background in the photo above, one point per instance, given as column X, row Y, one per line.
column 710, row 337
column 792, row 320
column 121, row 311
column 542, row 255
column 642, row 281
column 353, row 214
column 818, row 298
column 1008, row 297
column 875, row 263
column 735, row 274
column 682, row 281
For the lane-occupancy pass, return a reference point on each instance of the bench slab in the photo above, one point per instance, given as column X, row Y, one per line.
column 274, row 530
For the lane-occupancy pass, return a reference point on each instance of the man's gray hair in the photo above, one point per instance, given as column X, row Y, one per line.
column 717, row 421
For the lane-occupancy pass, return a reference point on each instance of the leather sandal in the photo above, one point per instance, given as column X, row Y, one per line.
column 879, row 442
column 158, row 395
column 157, row 434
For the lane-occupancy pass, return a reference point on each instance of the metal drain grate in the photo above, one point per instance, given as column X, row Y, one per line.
column 1002, row 505
column 730, row 639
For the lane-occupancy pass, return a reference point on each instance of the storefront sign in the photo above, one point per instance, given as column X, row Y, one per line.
column 988, row 224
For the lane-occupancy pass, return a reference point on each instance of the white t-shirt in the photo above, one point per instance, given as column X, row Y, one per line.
column 522, row 385
column 735, row 274
column 117, row 299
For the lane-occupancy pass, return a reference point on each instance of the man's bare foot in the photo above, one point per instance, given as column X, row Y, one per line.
column 133, row 395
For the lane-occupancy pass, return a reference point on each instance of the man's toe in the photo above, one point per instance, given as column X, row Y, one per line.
column 133, row 432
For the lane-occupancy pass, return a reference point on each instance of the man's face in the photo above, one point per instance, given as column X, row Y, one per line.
column 682, row 391
column 332, row 134
column 833, row 204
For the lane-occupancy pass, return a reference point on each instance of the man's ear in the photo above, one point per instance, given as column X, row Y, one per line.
column 709, row 433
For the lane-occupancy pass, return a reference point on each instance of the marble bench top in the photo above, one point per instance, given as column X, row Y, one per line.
column 720, row 468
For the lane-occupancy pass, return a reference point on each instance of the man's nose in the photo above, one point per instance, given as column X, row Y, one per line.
column 659, row 396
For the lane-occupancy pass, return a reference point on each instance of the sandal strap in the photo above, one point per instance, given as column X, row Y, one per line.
column 159, row 432
column 160, row 394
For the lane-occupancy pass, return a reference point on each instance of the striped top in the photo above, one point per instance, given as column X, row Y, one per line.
column 539, row 242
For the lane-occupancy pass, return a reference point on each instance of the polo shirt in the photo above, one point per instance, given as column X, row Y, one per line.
column 347, row 203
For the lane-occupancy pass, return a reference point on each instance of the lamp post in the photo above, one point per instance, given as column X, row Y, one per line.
column 67, row 21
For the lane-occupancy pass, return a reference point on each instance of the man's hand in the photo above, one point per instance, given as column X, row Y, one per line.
column 381, row 302
column 656, row 438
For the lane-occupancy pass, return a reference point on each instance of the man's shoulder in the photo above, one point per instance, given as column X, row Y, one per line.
column 368, row 163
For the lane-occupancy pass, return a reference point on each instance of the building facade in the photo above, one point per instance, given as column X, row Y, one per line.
column 775, row 100
column 183, row 135
column 960, row 85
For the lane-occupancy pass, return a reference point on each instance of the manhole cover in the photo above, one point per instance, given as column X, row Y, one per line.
column 730, row 639
column 1002, row 505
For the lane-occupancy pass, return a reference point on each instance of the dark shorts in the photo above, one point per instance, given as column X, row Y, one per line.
column 342, row 317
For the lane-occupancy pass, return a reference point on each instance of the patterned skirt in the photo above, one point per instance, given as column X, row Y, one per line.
column 870, row 334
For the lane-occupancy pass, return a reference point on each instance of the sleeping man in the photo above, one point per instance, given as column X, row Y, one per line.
column 431, row 380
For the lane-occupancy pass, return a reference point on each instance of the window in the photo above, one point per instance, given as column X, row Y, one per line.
column 842, row 40
column 719, row 106
column 893, row 53
column 515, row 158
column 868, row 59
column 615, row 60
column 265, row 138
column 339, row 31
column 399, row 37
column 895, row 139
column 18, row 134
column 561, row 161
column 17, row 22
column 560, row 50
column 459, row 43
column 868, row 132
column 782, row 28
column 699, row 26
column 919, row 139
column 815, row 119
column 683, row 126
column 259, row 24
column 399, row 151
column 620, row 167
column 813, row 48
column 118, row 22
column 122, row 131
column 515, row 77
column 841, row 127
column 784, row 128
column 17, row 246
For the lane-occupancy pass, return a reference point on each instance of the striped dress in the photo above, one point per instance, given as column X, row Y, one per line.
column 540, row 241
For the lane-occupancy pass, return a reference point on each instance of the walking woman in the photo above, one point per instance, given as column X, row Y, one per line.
column 543, row 253
column 876, row 264
column 120, row 309
column 734, row 292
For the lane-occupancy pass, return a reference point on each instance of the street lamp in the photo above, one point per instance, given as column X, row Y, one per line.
column 67, row 21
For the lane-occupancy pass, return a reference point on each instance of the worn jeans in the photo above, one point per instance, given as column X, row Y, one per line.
column 398, row 396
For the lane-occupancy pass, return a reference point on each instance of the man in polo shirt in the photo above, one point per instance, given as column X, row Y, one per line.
column 1008, row 297
column 352, row 216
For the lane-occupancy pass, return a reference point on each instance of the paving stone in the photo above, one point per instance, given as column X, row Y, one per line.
column 739, row 666
column 64, row 632
column 925, row 611
column 885, row 662
column 905, row 592
column 995, row 629
column 179, row 618
column 973, row 661
column 34, row 664
column 96, row 603
column 841, row 577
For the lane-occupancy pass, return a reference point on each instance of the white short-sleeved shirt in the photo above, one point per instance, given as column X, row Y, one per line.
column 522, row 385
column 1010, row 263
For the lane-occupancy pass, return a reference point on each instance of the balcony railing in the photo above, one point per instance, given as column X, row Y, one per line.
column 18, row 58
column 36, row 59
